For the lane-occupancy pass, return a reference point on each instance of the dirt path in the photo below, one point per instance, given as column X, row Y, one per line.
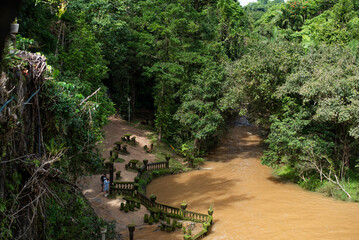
column 91, row 186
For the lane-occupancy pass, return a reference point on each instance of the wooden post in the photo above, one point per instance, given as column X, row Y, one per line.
column 167, row 162
column 111, row 176
column 145, row 162
column 131, row 229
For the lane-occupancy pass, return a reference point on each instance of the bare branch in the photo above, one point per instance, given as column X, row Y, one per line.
column 89, row 96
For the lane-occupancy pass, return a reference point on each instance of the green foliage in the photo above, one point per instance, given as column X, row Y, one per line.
column 84, row 57
column 38, row 28
column 146, row 218
column 311, row 183
column 254, row 79
column 231, row 26
column 150, row 220
column 286, row 172
column 24, row 43
column 73, row 216
column 78, row 127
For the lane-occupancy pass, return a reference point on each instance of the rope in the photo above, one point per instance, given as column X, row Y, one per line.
column 31, row 96
column 6, row 103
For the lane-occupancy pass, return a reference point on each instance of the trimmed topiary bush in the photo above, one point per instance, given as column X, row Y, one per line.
column 145, row 218
column 157, row 217
column 153, row 197
column 179, row 225
column 124, row 148
column 150, row 220
column 122, row 207
column 120, row 160
column 174, row 224
column 118, row 175
column 132, row 206
column 162, row 227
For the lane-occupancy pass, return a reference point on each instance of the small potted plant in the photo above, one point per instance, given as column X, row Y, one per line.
column 184, row 205
column 145, row 162
column 14, row 27
column 210, row 210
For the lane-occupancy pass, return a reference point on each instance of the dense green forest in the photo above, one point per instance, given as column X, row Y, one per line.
column 190, row 67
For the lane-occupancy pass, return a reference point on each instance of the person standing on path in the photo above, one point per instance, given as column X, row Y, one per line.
column 103, row 177
column 106, row 186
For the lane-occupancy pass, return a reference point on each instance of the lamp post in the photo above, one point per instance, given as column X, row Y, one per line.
column 129, row 109
column 103, row 233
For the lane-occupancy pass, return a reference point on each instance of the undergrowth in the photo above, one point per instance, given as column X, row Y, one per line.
column 313, row 183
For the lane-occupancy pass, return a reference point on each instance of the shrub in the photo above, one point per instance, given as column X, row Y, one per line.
column 118, row 175
column 122, row 207
column 157, row 217
column 162, row 227
column 311, row 183
column 127, row 208
column 120, row 160
column 174, row 224
column 179, row 225
column 145, row 219
column 124, row 148
column 150, row 220
column 132, row 206
column 286, row 172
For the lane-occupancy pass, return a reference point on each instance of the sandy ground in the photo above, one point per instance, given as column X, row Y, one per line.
column 109, row 209
column 91, row 186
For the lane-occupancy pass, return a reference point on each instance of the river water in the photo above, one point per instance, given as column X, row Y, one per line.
column 249, row 203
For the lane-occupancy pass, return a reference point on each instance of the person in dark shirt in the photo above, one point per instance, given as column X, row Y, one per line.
column 103, row 178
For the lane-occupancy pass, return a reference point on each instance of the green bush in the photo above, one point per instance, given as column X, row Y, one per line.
column 145, row 219
column 311, row 183
column 287, row 172
column 74, row 209
column 150, row 220
column 179, row 225
column 174, row 224
column 120, row 160
column 132, row 206
column 157, row 217
column 122, row 207
column 162, row 227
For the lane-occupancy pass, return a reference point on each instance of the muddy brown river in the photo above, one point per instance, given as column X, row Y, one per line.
column 249, row 203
